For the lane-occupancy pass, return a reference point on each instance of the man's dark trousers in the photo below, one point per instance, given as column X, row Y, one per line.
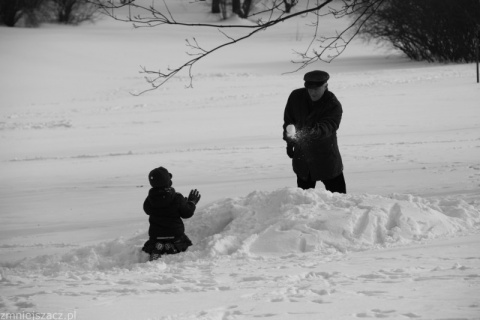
column 336, row 184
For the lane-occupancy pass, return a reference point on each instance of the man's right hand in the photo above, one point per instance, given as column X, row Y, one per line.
column 290, row 150
column 286, row 137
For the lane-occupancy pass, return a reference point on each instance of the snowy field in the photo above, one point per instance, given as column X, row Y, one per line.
column 76, row 148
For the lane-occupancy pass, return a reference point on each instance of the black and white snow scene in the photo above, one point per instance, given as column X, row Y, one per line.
column 77, row 144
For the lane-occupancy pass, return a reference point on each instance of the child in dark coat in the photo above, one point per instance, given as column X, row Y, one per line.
column 166, row 209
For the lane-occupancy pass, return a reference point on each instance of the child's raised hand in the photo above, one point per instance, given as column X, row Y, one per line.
column 194, row 196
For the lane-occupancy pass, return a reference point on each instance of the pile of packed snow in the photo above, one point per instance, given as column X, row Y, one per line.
column 284, row 221
column 294, row 220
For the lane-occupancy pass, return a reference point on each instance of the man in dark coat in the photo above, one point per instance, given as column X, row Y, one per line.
column 166, row 209
column 311, row 120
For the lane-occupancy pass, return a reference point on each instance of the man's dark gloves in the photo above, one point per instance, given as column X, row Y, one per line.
column 194, row 196
column 290, row 152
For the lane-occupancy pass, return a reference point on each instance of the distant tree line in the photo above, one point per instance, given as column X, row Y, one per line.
column 428, row 30
column 34, row 12
column 242, row 8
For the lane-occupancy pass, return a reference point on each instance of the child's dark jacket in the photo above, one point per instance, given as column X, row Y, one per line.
column 166, row 209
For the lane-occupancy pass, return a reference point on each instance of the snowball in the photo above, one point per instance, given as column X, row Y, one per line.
column 291, row 130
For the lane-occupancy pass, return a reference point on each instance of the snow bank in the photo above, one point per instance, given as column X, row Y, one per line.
column 116, row 254
column 294, row 220
column 284, row 221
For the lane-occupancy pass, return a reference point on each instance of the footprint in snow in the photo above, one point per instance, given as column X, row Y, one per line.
column 376, row 313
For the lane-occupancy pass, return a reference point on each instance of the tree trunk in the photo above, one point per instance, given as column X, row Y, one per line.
column 288, row 6
column 236, row 8
column 216, row 6
column 11, row 11
column 246, row 8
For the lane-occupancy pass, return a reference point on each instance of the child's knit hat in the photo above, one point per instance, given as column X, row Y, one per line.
column 160, row 178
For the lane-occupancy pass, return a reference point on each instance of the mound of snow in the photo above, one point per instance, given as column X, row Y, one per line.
column 294, row 220
column 284, row 221
column 106, row 256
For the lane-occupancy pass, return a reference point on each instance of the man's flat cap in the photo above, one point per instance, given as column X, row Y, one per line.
column 315, row 78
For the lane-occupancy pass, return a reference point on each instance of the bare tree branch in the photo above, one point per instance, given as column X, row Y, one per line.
column 319, row 48
column 337, row 43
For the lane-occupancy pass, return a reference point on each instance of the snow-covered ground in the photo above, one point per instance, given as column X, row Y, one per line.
column 76, row 148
